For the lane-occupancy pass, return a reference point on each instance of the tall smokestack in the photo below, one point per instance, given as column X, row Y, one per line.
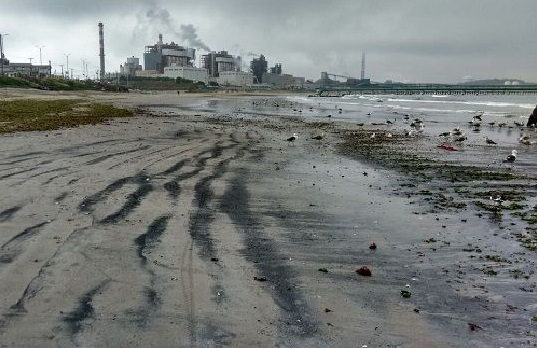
column 101, row 50
column 362, row 75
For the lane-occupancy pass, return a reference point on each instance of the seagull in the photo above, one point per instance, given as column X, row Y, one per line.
column 292, row 138
column 388, row 135
column 496, row 198
column 372, row 135
column 410, row 133
column 511, row 158
column 525, row 139
column 318, row 137
column 445, row 134
column 461, row 138
column 477, row 118
column 518, row 124
column 490, row 141
column 502, row 124
column 456, row 131
column 492, row 123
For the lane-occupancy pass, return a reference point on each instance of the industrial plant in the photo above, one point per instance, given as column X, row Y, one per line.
column 162, row 60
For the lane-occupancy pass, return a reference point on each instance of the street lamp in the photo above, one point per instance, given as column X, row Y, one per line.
column 2, row 51
column 67, row 57
column 40, row 57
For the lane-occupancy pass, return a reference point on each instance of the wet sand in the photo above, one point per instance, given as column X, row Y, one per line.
column 187, row 228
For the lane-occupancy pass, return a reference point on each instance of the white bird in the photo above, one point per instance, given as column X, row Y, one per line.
column 511, row 158
column 456, row 131
column 388, row 135
column 373, row 135
column 518, row 124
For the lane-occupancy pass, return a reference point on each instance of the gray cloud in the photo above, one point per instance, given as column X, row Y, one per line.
column 418, row 40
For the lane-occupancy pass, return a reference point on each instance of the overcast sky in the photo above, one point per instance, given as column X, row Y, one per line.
column 404, row 40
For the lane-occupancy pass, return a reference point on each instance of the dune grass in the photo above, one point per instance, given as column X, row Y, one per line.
column 36, row 115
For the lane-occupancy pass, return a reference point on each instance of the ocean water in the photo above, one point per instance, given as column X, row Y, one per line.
column 439, row 114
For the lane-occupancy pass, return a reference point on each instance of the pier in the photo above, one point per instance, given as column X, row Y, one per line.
column 424, row 89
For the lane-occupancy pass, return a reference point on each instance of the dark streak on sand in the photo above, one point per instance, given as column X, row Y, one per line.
column 173, row 188
column 12, row 248
column 49, row 171
column 105, row 157
column 61, row 197
column 147, row 241
column 200, row 220
column 15, row 173
column 87, row 204
column 75, row 319
column 133, row 200
column 263, row 253
column 174, row 168
column 8, row 213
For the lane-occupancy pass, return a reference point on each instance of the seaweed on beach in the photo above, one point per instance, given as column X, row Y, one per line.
column 37, row 115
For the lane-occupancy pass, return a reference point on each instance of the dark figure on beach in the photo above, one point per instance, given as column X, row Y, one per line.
column 532, row 120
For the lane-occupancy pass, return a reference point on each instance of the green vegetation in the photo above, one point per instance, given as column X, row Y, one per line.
column 46, row 83
column 406, row 294
column 488, row 270
column 33, row 115
column 518, row 273
column 13, row 82
column 495, row 258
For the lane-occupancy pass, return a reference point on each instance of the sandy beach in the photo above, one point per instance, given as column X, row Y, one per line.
column 183, row 227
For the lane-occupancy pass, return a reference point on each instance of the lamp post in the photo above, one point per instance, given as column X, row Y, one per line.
column 67, row 57
column 2, row 51
column 40, row 57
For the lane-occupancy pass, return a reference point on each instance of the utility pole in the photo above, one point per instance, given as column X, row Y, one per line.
column 40, row 56
column 30, row 59
column 62, row 70
column 2, row 51
column 71, row 73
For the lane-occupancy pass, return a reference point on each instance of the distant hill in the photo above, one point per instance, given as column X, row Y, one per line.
column 494, row 82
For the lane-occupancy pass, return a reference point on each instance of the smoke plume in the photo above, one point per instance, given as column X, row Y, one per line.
column 158, row 20
column 190, row 37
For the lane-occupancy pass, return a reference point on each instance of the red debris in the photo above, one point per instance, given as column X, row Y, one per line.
column 364, row 271
column 447, row 147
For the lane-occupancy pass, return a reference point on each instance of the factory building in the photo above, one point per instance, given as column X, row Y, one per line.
column 258, row 66
column 217, row 62
column 24, row 69
column 283, row 80
column 235, row 78
column 187, row 73
column 161, row 55
column 276, row 79
column 131, row 66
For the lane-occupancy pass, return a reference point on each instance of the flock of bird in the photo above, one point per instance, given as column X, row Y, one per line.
column 457, row 135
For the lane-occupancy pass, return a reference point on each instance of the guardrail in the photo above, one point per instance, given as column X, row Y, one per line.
column 426, row 89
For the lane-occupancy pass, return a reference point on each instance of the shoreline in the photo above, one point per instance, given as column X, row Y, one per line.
column 217, row 228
